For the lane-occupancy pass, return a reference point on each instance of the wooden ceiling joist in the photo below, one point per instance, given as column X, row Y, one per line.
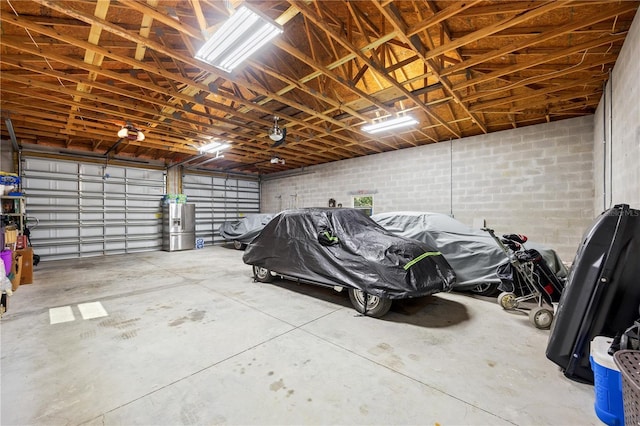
column 72, row 72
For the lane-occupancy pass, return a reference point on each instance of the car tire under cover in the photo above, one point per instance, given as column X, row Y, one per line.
column 485, row 289
column 376, row 306
column 238, row 245
column 262, row 275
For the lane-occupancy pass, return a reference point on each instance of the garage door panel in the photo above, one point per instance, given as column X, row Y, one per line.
column 59, row 215
column 141, row 215
column 92, row 202
column 115, row 246
column 250, row 195
column 140, row 245
column 62, row 202
column 62, row 251
column 114, row 187
column 92, row 186
column 141, row 174
column 44, row 188
column 116, row 229
column 92, row 169
column 254, row 185
column 94, row 249
column 109, row 172
column 145, row 187
column 93, row 220
column 220, row 206
column 91, row 231
column 219, row 199
column 44, row 165
column 114, row 205
column 199, row 193
column 204, row 215
column 114, row 217
column 67, row 234
column 83, row 207
column 142, row 204
column 191, row 179
column 144, row 231
column 49, row 184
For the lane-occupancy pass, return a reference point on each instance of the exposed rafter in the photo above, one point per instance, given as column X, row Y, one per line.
column 72, row 72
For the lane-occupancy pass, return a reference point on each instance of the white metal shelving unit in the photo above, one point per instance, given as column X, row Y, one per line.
column 13, row 211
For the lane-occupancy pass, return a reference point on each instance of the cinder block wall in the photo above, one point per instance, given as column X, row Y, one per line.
column 621, row 174
column 536, row 180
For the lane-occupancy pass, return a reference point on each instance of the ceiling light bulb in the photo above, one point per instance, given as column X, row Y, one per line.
column 123, row 133
column 275, row 134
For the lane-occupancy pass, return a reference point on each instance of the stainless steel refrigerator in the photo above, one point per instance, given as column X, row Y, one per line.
column 178, row 227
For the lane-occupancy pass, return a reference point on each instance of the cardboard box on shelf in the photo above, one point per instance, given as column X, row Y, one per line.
column 10, row 236
column 27, row 265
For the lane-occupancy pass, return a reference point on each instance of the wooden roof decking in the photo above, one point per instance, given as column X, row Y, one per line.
column 72, row 72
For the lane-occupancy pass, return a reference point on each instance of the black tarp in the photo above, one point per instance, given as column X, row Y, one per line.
column 330, row 246
column 474, row 255
column 244, row 230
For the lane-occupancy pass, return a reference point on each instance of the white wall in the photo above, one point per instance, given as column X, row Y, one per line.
column 536, row 180
column 622, row 133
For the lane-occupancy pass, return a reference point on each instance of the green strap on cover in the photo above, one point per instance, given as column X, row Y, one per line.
column 419, row 258
column 330, row 237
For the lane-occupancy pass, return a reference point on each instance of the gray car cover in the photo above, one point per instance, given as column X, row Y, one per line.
column 336, row 246
column 244, row 230
column 472, row 253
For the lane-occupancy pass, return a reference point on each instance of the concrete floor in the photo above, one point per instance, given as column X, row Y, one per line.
column 187, row 338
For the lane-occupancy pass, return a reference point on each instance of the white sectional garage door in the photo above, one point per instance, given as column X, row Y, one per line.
column 217, row 199
column 87, row 209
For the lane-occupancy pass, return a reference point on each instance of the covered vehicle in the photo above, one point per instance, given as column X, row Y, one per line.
column 243, row 230
column 344, row 248
column 472, row 253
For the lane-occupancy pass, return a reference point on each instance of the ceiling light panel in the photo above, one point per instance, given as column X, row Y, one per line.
column 243, row 34
column 213, row 147
column 394, row 123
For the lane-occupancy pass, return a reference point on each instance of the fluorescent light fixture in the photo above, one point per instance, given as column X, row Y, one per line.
column 243, row 34
column 394, row 123
column 213, row 147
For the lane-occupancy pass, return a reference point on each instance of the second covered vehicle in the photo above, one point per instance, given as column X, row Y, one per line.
column 242, row 231
column 473, row 253
column 343, row 248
